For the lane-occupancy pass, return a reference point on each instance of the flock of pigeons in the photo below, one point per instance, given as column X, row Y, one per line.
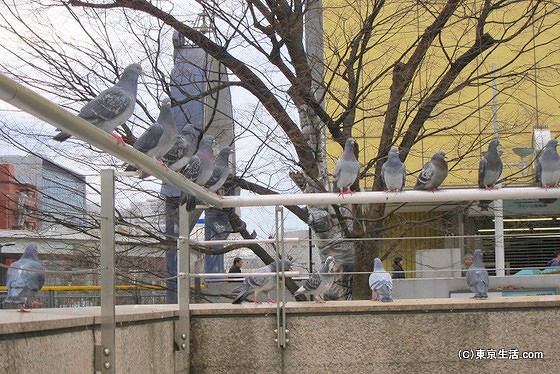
column 319, row 282
column 180, row 151
column 27, row 276
column 434, row 172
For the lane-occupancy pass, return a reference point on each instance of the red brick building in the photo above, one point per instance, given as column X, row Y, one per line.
column 18, row 202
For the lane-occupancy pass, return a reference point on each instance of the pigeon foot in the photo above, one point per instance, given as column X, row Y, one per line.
column 119, row 139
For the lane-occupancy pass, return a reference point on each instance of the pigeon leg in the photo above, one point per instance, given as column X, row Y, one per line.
column 119, row 139
column 22, row 309
column 36, row 304
column 271, row 300
column 375, row 298
column 159, row 161
column 319, row 300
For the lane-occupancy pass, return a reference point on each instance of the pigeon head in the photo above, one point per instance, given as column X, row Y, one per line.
column 393, row 153
column 477, row 258
column 286, row 264
column 166, row 101
column 439, row 156
column 493, row 146
column 131, row 72
column 349, row 149
column 328, row 265
column 30, row 252
column 552, row 143
column 378, row 265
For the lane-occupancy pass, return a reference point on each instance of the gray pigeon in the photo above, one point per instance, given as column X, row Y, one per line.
column 185, row 147
column 433, row 174
column 393, row 172
column 477, row 277
column 112, row 107
column 218, row 178
column 160, row 137
column 346, row 169
column 21, row 284
column 259, row 285
column 489, row 170
column 548, row 165
column 380, row 282
column 201, row 166
column 319, row 282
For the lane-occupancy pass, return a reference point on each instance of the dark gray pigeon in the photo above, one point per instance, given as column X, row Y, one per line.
column 160, row 137
column 259, row 285
column 185, row 147
column 112, row 107
column 477, row 277
column 489, row 170
column 319, row 282
column 201, row 166
column 433, row 173
column 218, row 178
column 548, row 165
column 23, row 284
column 346, row 169
column 393, row 172
column 381, row 283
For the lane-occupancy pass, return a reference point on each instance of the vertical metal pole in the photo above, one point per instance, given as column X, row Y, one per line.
column 280, row 281
column 182, row 331
column 106, row 352
column 498, row 204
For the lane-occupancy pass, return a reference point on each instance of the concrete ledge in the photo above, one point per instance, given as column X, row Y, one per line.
column 410, row 335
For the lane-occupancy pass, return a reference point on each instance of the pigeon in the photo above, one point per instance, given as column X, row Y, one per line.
column 319, row 282
column 21, row 284
column 346, row 169
column 489, row 170
column 218, row 178
column 380, row 282
column 184, row 148
column 548, row 165
column 112, row 107
column 259, row 285
column 433, row 173
column 393, row 172
column 477, row 277
column 160, row 137
column 200, row 167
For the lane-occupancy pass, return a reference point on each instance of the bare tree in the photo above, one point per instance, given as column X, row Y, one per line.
column 407, row 70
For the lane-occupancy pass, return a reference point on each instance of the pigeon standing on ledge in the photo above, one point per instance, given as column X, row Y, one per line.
column 393, row 172
column 259, row 285
column 112, row 107
column 319, row 283
column 160, row 137
column 477, row 277
column 433, row 174
column 489, row 170
column 25, row 278
column 380, row 282
column 346, row 169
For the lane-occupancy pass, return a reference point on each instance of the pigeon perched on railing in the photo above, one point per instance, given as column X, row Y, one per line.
column 160, row 137
column 477, row 277
column 346, row 169
column 186, row 144
column 489, row 170
column 319, row 282
column 548, row 165
column 218, row 178
column 25, row 278
column 201, row 166
column 380, row 282
column 112, row 107
column 433, row 173
column 259, row 285
column 393, row 172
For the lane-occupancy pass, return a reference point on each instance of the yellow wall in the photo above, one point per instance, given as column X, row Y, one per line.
column 395, row 32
